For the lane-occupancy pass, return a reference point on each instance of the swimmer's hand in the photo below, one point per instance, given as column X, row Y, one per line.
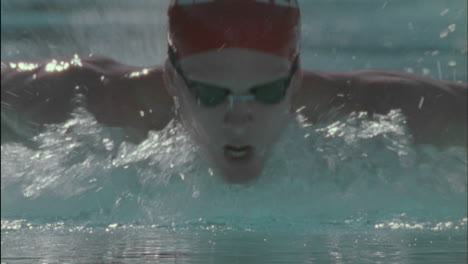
column 38, row 93
column 436, row 110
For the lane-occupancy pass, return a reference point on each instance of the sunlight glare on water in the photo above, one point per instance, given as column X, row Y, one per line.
column 360, row 167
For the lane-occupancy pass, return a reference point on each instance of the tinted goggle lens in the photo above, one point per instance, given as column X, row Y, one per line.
column 271, row 94
column 210, row 95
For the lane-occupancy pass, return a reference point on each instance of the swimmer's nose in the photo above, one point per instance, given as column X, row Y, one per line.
column 239, row 115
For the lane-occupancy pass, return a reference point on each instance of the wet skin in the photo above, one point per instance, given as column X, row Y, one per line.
column 143, row 99
column 249, row 125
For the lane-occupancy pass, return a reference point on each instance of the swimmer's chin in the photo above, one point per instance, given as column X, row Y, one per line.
column 241, row 177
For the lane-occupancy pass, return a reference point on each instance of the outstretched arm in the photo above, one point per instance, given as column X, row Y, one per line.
column 118, row 95
column 436, row 110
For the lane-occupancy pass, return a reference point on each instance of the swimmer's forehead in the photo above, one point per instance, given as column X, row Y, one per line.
column 235, row 65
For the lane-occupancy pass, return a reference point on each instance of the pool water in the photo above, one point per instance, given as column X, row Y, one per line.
column 354, row 190
column 215, row 244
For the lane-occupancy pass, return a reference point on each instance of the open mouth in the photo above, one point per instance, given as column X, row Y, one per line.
column 238, row 153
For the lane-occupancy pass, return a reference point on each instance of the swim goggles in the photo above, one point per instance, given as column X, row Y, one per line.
column 211, row 95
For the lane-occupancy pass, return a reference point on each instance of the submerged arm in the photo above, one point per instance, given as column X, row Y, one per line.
column 436, row 110
column 34, row 94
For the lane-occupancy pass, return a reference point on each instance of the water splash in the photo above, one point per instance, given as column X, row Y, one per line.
column 360, row 167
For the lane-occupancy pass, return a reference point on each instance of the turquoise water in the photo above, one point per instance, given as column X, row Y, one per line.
column 353, row 190
column 55, row 244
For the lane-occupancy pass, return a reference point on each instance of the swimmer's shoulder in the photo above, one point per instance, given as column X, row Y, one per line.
column 381, row 90
column 321, row 91
column 117, row 94
column 435, row 110
column 129, row 96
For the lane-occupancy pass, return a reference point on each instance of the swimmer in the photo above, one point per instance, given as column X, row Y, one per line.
column 233, row 77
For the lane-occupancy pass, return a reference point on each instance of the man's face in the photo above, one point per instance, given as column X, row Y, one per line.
column 236, row 135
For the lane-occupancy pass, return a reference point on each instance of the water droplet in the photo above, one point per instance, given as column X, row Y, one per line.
column 444, row 33
column 195, row 193
column 452, row 63
column 108, row 144
column 421, row 102
column 452, row 27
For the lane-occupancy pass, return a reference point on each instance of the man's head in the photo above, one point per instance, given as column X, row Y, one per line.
column 233, row 68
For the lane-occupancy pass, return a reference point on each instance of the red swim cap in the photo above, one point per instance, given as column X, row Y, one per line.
column 270, row 26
